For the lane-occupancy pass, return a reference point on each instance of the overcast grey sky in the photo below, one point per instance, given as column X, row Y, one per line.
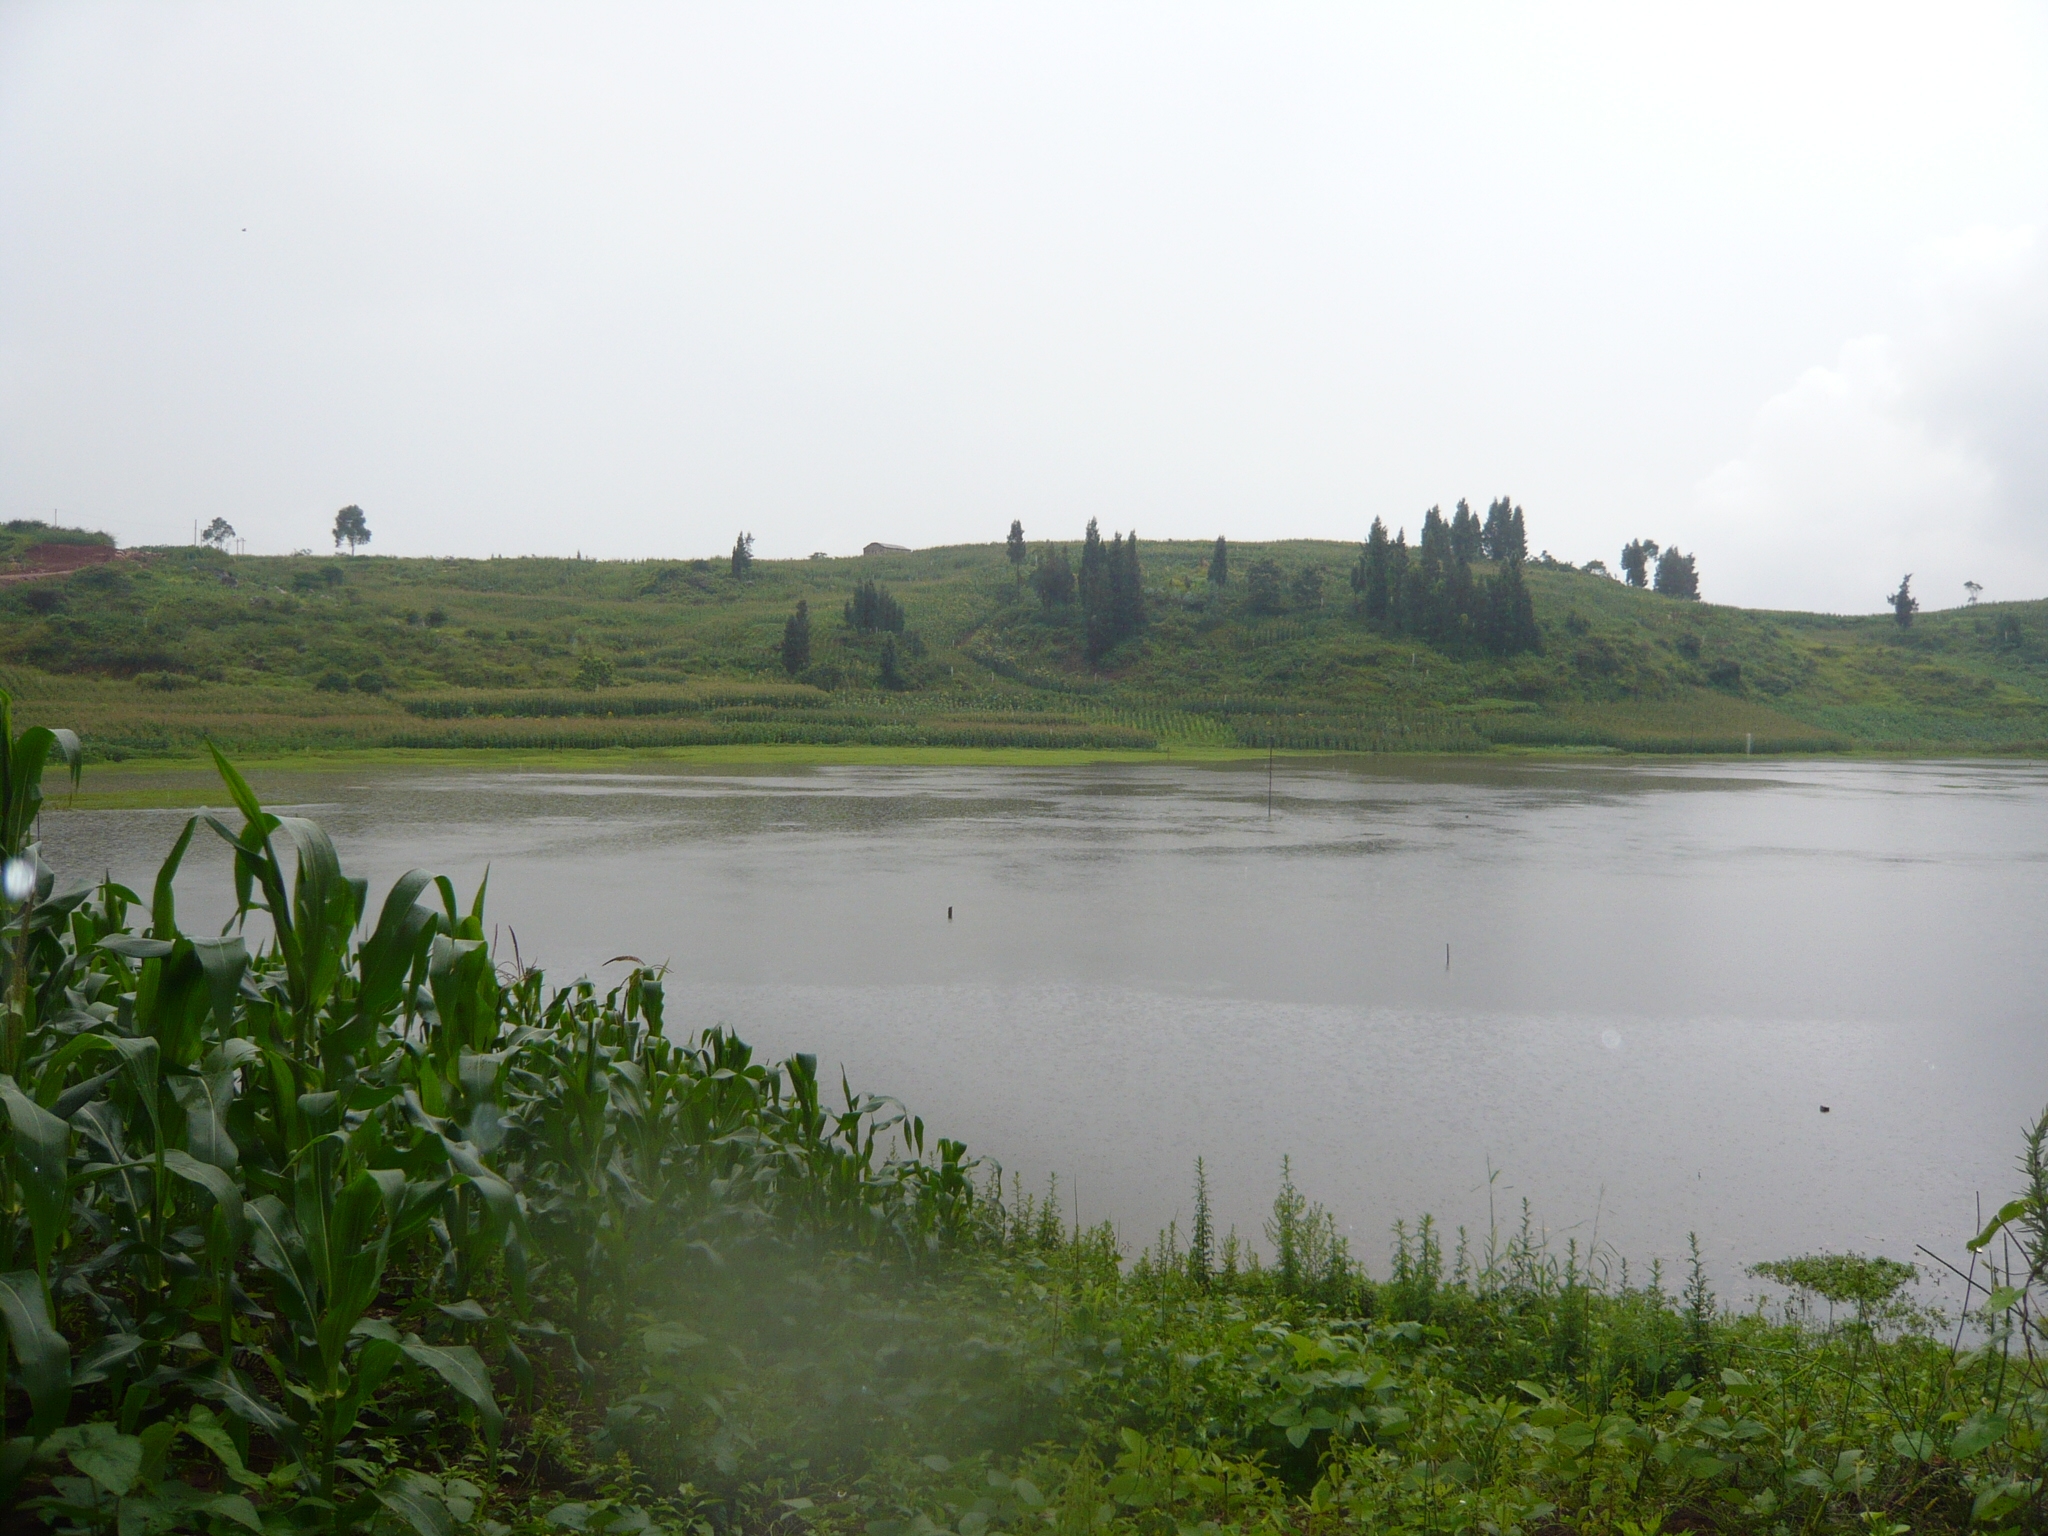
column 1768, row 282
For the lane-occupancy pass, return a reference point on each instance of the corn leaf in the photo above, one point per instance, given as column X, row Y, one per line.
column 44, row 1357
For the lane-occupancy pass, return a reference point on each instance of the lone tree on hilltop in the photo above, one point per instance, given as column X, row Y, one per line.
column 1975, row 589
column 1904, row 603
column 796, row 639
column 743, row 555
column 1219, row 564
column 1677, row 576
column 219, row 532
column 1016, row 542
column 1636, row 556
column 350, row 527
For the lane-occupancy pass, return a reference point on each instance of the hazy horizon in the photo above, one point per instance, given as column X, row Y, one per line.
column 1770, row 284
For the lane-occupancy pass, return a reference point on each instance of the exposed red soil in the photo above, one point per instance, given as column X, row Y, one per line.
column 42, row 560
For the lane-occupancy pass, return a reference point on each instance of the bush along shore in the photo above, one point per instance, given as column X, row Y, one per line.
column 331, row 1224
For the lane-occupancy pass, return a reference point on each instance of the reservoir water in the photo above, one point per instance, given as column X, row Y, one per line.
column 1620, row 991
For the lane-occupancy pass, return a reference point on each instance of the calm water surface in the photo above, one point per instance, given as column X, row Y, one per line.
column 1656, row 975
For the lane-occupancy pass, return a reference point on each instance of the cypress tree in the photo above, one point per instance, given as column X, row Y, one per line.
column 1510, row 622
column 1517, row 546
column 1676, row 575
column 1096, row 637
column 1053, row 578
column 1127, row 589
column 1016, row 542
column 1465, row 533
column 892, row 671
column 871, row 608
column 1493, row 537
column 796, row 639
column 1370, row 578
column 1431, row 613
column 1400, row 584
column 1219, row 564
column 1636, row 556
column 1903, row 603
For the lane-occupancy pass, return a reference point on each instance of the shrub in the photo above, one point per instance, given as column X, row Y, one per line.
column 332, row 682
column 370, row 682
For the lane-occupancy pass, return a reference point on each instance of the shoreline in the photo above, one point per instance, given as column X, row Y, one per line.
column 166, row 783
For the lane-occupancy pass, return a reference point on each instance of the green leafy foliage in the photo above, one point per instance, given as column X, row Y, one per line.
column 307, row 1205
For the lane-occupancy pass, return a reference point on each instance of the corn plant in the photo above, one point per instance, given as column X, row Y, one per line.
column 275, row 1198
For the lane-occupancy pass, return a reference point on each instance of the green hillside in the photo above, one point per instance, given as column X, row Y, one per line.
column 152, row 651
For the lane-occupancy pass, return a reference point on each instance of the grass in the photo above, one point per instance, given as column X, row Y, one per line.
column 307, row 655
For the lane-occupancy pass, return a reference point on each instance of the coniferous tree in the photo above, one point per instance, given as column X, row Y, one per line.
column 1493, row 537
column 1308, row 587
column 1518, row 538
column 1510, row 624
column 1370, row 577
column 1053, row 578
column 1127, row 589
column 1096, row 637
column 1016, row 543
column 796, row 639
column 892, row 672
column 1636, row 556
column 1219, row 564
column 1112, row 591
column 1400, row 583
column 872, row 609
column 1440, row 604
column 1903, row 603
column 743, row 555
column 1677, row 576
column 1465, row 533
